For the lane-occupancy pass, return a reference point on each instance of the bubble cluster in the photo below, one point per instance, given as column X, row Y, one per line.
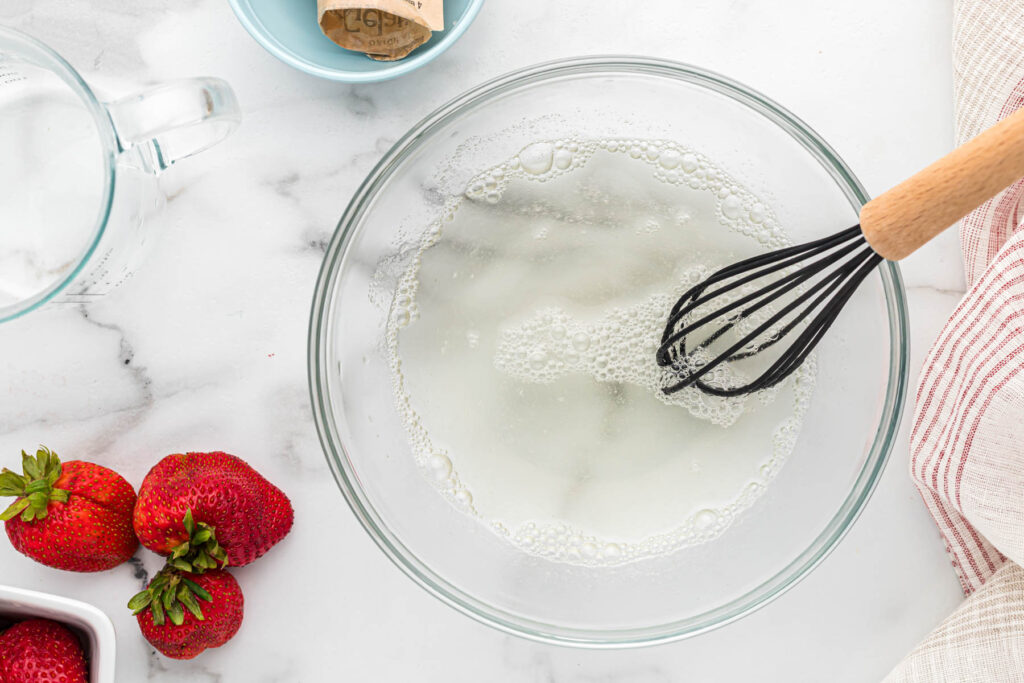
column 539, row 161
column 620, row 347
column 616, row 347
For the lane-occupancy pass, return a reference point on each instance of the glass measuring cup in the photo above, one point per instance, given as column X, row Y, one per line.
column 78, row 175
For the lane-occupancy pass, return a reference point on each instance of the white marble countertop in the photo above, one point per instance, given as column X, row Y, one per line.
column 206, row 348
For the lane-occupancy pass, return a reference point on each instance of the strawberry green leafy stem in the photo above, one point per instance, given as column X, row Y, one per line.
column 201, row 551
column 168, row 595
column 34, row 489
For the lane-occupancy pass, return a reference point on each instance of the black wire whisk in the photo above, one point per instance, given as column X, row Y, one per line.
column 820, row 305
column 783, row 302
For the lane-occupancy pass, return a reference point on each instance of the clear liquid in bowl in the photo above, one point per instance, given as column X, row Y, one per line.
column 522, row 343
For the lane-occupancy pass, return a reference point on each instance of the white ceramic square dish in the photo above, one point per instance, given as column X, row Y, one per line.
column 17, row 604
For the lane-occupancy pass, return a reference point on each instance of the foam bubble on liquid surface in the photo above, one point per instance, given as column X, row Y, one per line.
column 522, row 341
column 617, row 348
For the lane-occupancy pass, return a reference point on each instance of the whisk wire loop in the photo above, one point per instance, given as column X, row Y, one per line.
column 778, row 287
column 813, row 309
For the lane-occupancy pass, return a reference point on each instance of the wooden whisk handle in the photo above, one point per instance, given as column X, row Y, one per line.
column 899, row 221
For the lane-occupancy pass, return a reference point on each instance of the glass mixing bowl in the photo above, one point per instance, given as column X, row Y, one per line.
column 842, row 447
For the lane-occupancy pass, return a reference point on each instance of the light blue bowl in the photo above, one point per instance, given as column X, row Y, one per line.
column 289, row 30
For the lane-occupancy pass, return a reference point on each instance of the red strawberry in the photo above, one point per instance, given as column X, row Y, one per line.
column 224, row 495
column 41, row 651
column 74, row 515
column 172, row 620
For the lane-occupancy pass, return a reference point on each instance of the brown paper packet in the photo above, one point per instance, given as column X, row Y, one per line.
column 383, row 29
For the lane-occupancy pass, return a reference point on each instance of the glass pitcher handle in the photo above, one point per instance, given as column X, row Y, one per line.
column 169, row 122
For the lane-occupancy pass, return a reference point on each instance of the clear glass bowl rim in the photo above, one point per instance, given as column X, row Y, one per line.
column 515, row 624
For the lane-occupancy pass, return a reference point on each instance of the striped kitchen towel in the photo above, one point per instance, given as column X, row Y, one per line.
column 967, row 444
